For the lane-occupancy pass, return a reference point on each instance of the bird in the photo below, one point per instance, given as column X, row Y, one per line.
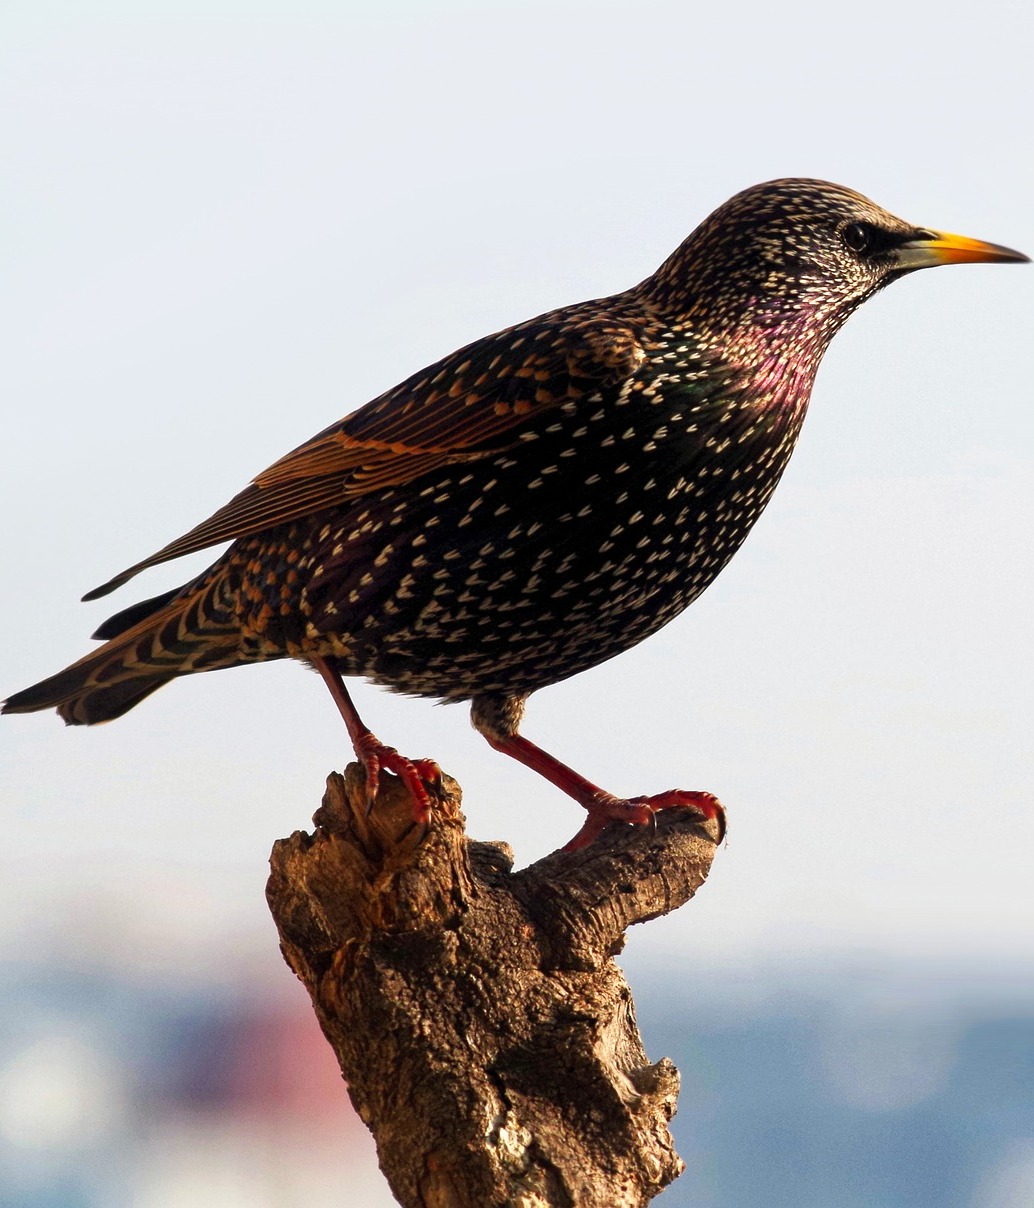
column 535, row 503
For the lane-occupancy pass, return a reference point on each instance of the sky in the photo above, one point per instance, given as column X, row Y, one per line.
column 226, row 225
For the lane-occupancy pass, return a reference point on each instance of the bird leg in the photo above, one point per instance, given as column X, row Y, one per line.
column 496, row 720
column 374, row 755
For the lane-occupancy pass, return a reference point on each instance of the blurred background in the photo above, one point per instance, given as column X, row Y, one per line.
column 225, row 225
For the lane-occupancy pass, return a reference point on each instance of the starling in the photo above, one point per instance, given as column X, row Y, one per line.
column 533, row 504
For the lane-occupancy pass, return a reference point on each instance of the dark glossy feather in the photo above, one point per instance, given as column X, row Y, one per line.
column 470, row 405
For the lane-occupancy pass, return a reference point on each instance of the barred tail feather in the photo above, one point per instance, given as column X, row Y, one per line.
column 194, row 631
column 105, row 704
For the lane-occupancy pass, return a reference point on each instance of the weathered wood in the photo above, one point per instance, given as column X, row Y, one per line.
column 487, row 1037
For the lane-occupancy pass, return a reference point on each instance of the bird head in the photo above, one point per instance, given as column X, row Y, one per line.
column 798, row 256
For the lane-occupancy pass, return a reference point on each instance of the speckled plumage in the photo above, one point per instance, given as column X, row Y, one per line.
column 538, row 501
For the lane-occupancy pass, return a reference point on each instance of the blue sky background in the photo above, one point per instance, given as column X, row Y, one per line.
column 228, row 224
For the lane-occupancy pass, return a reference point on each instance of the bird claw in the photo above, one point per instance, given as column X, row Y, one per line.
column 415, row 774
column 642, row 811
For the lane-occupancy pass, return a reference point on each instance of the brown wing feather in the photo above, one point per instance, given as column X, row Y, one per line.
column 472, row 404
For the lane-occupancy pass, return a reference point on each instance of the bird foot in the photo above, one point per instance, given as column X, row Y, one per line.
column 415, row 774
column 642, row 811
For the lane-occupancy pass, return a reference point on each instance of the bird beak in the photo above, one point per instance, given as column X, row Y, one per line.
column 929, row 248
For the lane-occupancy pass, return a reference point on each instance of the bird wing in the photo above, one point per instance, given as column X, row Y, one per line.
column 471, row 405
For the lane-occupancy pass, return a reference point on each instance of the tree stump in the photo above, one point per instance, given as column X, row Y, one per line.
column 486, row 1035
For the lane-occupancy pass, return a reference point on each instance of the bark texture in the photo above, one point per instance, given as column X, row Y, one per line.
column 487, row 1037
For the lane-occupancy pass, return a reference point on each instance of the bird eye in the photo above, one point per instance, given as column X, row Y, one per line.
column 857, row 236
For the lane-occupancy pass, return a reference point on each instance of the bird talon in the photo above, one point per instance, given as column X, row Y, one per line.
column 643, row 811
column 376, row 757
column 428, row 771
column 705, row 804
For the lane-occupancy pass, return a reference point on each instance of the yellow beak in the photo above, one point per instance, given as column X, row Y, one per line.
column 930, row 248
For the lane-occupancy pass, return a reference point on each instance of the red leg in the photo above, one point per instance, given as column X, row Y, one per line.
column 603, row 807
column 415, row 774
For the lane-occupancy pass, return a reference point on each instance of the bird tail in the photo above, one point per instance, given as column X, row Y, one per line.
column 192, row 629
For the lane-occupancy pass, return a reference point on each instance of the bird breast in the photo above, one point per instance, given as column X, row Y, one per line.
column 539, row 562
